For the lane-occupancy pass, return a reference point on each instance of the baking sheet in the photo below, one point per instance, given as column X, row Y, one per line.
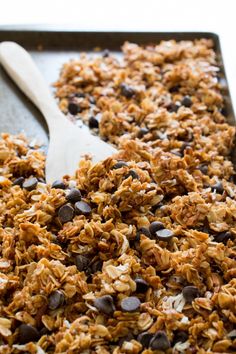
column 51, row 48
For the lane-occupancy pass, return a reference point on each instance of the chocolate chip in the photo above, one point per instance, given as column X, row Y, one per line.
column 28, row 333
column 105, row 304
column 106, row 53
column 18, row 181
column 184, row 147
column 56, row 299
column 93, row 122
column 223, row 237
column 173, row 107
column 44, row 331
column 82, row 208
column 120, row 164
column 203, row 168
column 142, row 132
column 164, row 235
column 218, row 187
column 30, row 183
column 133, row 174
column 59, row 185
column 155, row 226
column 145, row 339
column 82, row 262
column 80, row 95
column 73, row 108
column 141, row 285
column 144, row 231
column 160, row 341
column 66, row 213
column 127, row 338
column 190, row 293
column 96, row 266
column 130, row 304
column 180, row 336
column 126, row 91
column 74, row 195
column 174, row 89
column 186, row 101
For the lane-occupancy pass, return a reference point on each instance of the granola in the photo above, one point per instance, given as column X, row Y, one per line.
column 135, row 255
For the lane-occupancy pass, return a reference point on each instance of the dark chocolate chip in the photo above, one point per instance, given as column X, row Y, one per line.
column 82, row 208
column 130, row 304
column 133, row 174
column 73, row 108
column 30, row 183
column 59, row 185
column 126, row 91
column 106, row 53
column 174, row 89
column 184, row 147
column 203, row 168
column 96, row 266
column 44, row 331
column 80, row 95
column 190, row 293
column 93, row 122
column 56, row 299
column 82, row 262
column 74, row 195
column 164, row 235
column 218, row 187
column 155, row 226
column 160, row 341
column 144, row 231
column 18, row 181
column 28, row 333
column 141, row 285
column 186, row 101
column 66, row 213
column 180, row 336
column 145, row 339
column 173, row 107
column 142, row 132
column 105, row 304
column 120, row 164
column 223, row 237
column 127, row 338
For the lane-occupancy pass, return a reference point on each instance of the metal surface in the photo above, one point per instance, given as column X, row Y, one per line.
column 50, row 49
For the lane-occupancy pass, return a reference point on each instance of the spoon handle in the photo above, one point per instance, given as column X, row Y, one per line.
column 22, row 69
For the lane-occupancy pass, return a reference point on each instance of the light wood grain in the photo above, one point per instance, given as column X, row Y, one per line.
column 68, row 143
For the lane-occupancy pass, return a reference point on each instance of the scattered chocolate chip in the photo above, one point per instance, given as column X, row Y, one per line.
column 142, row 132
column 144, row 231
column 127, row 338
column 173, row 107
column 180, row 336
column 133, row 174
column 223, row 111
column 145, row 339
column 56, row 299
column 218, row 187
column 74, row 195
column 66, row 213
column 120, row 164
column 96, row 266
column 190, row 293
column 186, row 101
column 82, row 208
column 184, row 147
column 141, row 285
column 106, row 53
column 59, row 185
column 160, row 341
column 203, row 168
column 223, row 237
column 18, row 181
column 30, row 183
column 93, row 122
column 130, row 304
column 82, row 262
column 126, row 91
column 73, row 108
column 174, row 89
column 105, row 304
column 44, row 331
column 28, row 333
column 164, row 235
column 155, row 226
column 80, row 95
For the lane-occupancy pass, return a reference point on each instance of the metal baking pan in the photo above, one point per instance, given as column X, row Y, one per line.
column 51, row 48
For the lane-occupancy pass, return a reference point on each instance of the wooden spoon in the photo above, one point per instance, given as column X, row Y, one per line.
column 68, row 142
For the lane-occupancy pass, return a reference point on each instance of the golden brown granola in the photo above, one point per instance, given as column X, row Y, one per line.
column 143, row 258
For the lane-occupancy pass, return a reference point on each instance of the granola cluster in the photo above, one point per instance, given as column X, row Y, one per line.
column 136, row 254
